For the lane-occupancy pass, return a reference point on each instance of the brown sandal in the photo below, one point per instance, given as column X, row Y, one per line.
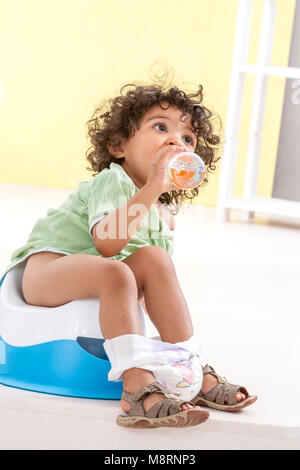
column 162, row 413
column 215, row 398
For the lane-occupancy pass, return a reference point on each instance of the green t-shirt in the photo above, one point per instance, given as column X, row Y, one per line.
column 67, row 229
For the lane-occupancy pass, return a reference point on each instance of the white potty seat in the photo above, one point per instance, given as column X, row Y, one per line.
column 22, row 324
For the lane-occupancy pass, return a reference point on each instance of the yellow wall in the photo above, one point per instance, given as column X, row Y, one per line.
column 61, row 58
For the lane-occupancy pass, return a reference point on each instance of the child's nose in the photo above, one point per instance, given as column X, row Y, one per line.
column 174, row 141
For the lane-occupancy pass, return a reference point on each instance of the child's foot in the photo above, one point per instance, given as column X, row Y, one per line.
column 218, row 393
column 209, row 382
column 134, row 380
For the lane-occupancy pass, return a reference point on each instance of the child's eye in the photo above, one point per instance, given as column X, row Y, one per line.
column 162, row 125
column 190, row 142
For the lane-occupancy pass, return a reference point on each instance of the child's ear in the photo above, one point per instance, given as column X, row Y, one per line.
column 116, row 151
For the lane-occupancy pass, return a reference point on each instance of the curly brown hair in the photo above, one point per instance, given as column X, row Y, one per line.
column 123, row 117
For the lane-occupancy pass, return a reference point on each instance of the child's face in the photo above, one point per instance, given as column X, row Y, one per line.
column 158, row 128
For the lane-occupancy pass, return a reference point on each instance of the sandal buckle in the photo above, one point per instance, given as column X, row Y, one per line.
column 223, row 380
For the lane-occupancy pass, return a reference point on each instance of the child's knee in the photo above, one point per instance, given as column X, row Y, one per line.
column 157, row 254
column 119, row 275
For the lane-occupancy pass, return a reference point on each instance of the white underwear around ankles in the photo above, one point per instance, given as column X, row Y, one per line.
column 176, row 366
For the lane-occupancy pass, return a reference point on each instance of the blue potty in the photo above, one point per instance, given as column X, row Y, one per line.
column 57, row 350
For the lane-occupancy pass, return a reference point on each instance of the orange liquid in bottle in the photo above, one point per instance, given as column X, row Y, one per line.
column 182, row 175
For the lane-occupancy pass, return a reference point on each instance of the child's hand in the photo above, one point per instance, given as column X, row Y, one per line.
column 158, row 171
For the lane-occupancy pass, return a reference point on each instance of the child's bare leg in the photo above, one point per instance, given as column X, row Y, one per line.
column 53, row 279
column 165, row 303
column 156, row 276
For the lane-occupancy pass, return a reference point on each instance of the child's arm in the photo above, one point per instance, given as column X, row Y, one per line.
column 130, row 224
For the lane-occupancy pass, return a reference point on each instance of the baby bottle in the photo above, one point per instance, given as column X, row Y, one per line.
column 186, row 170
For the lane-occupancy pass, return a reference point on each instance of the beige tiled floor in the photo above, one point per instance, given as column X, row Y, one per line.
column 241, row 283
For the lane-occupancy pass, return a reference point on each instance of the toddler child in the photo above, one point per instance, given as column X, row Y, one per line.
column 113, row 239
